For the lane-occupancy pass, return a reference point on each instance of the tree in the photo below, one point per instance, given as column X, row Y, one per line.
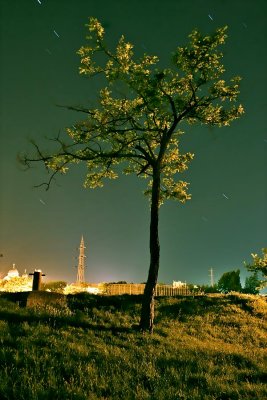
column 54, row 286
column 136, row 126
column 259, row 264
column 230, row 281
column 252, row 284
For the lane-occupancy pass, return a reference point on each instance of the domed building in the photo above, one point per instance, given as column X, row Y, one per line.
column 12, row 273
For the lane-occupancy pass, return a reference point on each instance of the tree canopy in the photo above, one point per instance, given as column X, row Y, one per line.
column 136, row 123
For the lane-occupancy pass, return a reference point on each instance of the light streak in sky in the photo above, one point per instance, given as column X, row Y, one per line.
column 48, row 51
column 210, row 17
column 204, row 218
column 244, row 25
column 39, row 1
column 56, row 33
column 41, row 201
column 224, row 195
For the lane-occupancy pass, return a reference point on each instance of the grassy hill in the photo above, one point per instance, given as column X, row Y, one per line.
column 86, row 347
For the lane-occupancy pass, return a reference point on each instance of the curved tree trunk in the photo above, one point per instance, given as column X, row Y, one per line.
column 147, row 312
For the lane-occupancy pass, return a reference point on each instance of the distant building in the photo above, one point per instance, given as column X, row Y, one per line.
column 178, row 284
column 13, row 282
column 12, row 273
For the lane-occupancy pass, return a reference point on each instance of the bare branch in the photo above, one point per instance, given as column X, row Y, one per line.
column 47, row 184
column 78, row 109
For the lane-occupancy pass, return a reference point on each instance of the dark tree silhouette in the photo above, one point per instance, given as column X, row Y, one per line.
column 230, row 282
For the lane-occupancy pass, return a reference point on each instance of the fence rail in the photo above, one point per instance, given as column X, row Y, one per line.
column 135, row 288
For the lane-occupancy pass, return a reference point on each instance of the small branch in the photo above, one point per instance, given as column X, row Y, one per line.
column 47, row 184
column 150, row 160
column 145, row 167
column 78, row 109
column 174, row 111
column 149, row 148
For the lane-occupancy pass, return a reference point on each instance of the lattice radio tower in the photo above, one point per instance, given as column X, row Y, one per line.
column 81, row 264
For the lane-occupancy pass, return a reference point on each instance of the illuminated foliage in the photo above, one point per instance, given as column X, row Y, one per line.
column 136, row 126
column 16, row 284
column 259, row 264
column 139, row 128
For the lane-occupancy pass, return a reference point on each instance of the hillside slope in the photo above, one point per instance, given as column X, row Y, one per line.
column 87, row 347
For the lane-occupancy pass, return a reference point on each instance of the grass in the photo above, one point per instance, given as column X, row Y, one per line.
column 87, row 347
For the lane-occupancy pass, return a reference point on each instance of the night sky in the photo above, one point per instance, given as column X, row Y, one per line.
column 226, row 219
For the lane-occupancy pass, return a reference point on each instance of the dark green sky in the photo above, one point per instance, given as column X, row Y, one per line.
column 39, row 69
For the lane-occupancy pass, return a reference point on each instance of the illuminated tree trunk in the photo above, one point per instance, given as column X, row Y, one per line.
column 147, row 312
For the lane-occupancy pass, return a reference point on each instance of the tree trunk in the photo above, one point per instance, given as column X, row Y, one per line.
column 147, row 312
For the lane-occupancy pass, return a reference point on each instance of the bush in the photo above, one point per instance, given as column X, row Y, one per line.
column 54, row 286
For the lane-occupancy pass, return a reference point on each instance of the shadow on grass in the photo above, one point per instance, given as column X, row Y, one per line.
column 20, row 298
column 15, row 320
column 49, row 308
column 188, row 366
column 84, row 301
column 83, row 306
column 79, row 301
column 182, row 308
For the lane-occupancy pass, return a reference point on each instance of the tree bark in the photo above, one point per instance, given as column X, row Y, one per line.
column 147, row 312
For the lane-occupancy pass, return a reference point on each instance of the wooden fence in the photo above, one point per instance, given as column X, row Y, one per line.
column 138, row 288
